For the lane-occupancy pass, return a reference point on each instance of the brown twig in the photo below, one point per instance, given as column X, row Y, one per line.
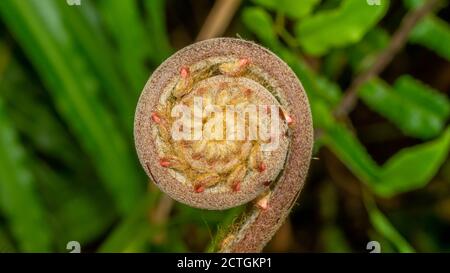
column 163, row 210
column 398, row 41
column 218, row 19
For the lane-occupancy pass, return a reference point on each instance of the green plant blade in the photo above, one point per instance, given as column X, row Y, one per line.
column 131, row 226
column 350, row 151
column 423, row 95
column 385, row 228
column 434, row 34
column 66, row 76
column 157, row 27
column 431, row 32
column 33, row 120
column 292, row 8
column 346, row 25
column 409, row 169
column 134, row 44
column 78, row 210
column 416, row 109
column 363, row 54
column 413, row 167
column 259, row 21
column 100, row 56
column 19, row 200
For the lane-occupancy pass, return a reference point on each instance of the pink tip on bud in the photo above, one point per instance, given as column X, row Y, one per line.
column 263, row 203
column 283, row 114
column 155, row 117
column 244, row 62
column 199, row 188
column 164, row 163
column 236, row 186
column 289, row 120
column 262, row 167
column 184, row 72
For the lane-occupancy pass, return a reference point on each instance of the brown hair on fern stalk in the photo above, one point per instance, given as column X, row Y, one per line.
column 199, row 161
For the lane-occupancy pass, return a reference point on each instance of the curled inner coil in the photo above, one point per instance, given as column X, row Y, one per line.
column 222, row 173
column 218, row 160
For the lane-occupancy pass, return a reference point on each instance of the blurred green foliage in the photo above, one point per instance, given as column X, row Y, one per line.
column 344, row 25
column 416, row 109
column 70, row 77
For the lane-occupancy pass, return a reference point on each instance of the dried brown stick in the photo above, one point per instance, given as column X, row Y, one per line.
column 218, row 19
column 398, row 41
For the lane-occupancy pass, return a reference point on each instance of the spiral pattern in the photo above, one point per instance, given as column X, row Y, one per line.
column 216, row 162
column 216, row 172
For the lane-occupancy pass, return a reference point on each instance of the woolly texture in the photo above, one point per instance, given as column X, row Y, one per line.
column 284, row 172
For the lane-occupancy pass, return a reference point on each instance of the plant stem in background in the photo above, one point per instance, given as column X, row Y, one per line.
column 218, row 19
column 398, row 41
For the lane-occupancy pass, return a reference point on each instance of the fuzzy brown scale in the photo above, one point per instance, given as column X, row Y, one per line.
column 222, row 174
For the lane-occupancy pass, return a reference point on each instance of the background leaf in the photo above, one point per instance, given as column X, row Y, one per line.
column 291, row 8
column 364, row 55
column 18, row 193
column 413, row 167
column 75, row 94
column 157, row 26
column 347, row 147
column 409, row 169
column 423, row 95
column 260, row 22
column 104, row 61
column 134, row 45
column 384, row 227
column 339, row 27
column 417, row 110
column 434, row 34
